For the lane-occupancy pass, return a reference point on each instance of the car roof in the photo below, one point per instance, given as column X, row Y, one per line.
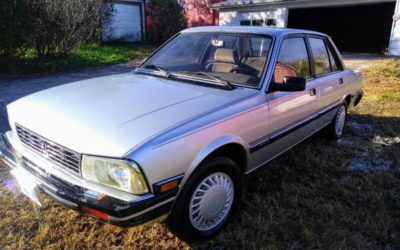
column 252, row 30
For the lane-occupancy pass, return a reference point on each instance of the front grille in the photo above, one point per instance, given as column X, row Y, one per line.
column 42, row 174
column 51, row 151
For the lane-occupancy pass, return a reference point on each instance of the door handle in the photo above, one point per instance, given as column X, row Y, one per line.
column 341, row 81
column 313, row 92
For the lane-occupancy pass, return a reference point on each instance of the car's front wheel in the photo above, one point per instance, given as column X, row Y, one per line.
column 207, row 200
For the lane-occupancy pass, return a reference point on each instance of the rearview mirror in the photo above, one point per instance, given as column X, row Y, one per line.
column 291, row 83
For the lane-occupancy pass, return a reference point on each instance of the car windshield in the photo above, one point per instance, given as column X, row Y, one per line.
column 220, row 58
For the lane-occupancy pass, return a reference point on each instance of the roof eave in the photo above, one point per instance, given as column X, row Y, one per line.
column 225, row 5
column 293, row 3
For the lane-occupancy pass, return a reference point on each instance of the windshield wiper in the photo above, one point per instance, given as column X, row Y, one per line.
column 224, row 83
column 162, row 70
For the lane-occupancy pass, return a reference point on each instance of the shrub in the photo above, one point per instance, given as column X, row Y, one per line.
column 49, row 27
column 15, row 27
column 165, row 19
column 61, row 25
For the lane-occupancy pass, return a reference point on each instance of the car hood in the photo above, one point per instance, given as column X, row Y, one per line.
column 111, row 115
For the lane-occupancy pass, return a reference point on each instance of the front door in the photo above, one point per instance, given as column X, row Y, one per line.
column 289, row 111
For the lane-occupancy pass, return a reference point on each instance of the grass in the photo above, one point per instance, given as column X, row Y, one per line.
column 86, row 56
column 321, row 194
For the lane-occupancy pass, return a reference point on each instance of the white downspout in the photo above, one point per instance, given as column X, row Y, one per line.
column 394, row 44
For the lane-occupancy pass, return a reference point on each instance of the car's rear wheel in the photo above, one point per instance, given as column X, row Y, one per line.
column 207, row 200
column 335, row 129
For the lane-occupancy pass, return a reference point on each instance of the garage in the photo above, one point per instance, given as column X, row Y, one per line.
column 361, row 28
column 126, row 24
column 367, row 26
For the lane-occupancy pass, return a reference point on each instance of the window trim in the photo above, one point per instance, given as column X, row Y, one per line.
column 311, row 59
column 328, row 44
column 312, row 54
column 334, row 55
column 292, row 36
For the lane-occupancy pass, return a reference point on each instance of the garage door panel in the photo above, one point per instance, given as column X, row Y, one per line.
column 125, row 24
column 363, row 28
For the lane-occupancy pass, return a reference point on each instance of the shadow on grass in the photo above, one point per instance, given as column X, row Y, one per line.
column 316, row 195
column 310, row 197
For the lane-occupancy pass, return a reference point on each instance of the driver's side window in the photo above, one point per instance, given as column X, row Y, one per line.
column 293, row 60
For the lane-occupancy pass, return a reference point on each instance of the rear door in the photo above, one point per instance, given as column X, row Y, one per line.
column 328, row 72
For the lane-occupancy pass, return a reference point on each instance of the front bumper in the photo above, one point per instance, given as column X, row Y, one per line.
column 116, row 211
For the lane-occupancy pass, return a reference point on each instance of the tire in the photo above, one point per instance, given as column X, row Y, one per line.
column 336, row 127
column 197, row 215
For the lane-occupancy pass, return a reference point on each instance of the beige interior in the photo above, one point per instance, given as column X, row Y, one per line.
column 256, row 63
column 224, row 60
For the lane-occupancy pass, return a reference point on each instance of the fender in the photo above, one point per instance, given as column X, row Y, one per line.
column 207, row 150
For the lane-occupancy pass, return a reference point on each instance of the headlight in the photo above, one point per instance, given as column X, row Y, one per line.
column 119, row 174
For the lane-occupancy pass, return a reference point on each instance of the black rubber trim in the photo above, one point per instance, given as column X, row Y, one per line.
column 68, row 194
column 138, row 220
column 358, row 98
column 109, row 205
column 289, row 131
column 146, row 217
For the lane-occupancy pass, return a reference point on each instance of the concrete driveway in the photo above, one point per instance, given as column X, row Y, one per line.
column 15, row 89
column 361, row 61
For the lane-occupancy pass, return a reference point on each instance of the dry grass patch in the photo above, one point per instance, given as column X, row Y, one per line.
column 321, row 194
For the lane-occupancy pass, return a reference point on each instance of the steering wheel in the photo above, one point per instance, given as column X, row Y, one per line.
column 239, row 69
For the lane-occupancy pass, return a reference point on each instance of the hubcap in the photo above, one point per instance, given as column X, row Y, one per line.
column 211, row 201
column 340, row 120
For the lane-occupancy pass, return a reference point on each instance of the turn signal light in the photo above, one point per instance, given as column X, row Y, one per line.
column 95, row 213
column 169, row 186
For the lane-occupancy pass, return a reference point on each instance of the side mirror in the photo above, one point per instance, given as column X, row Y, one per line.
column 291, row 83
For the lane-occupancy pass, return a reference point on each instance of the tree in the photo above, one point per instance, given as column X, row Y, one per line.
column 62, row 25
column 49, row 27
column 165, row 19
column 15, row 27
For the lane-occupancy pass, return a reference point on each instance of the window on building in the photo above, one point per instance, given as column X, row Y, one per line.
column 245, row 23
column 293, row 60
column 257, row 22
column 270, row 22
column 320, row 55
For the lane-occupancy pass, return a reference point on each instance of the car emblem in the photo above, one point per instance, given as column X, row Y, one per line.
column 43, row 146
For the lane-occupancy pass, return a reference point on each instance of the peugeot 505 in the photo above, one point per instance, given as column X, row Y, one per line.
column 173, row 138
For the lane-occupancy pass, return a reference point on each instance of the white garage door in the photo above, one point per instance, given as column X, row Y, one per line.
column 126, row 24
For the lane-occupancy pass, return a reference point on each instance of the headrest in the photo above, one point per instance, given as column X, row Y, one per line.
column 224, row 55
